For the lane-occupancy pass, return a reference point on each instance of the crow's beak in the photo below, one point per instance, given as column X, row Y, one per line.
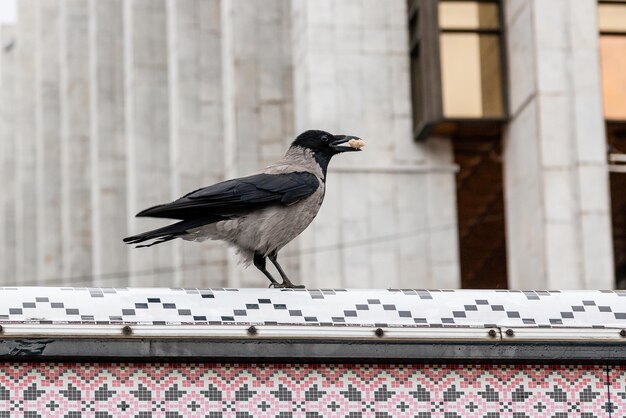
column 342, row 139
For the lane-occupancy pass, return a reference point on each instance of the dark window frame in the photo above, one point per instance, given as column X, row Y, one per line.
column 471, row 134
column 426, row 92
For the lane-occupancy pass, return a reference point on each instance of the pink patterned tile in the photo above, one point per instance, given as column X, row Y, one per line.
column 239, row 390
column 617, row 380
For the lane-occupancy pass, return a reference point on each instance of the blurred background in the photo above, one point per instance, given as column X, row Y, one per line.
column 495, row 131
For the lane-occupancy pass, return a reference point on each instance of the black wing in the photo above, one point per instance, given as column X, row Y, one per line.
column 240, row 195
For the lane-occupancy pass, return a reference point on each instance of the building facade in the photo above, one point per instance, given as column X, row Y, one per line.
column 487, row 127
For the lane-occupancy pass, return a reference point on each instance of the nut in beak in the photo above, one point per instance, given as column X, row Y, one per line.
column 356, row 143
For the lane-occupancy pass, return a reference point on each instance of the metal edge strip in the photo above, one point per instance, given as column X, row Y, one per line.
column 281, row 332
column 259, row 350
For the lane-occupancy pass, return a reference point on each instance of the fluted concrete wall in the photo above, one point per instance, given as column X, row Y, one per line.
column 108, row 143
column 8, row 154
column 159, row 97
column 147, row 131
column 75, row 140
column 48, row 142
column 389, row 219
column 109, row 107
column 258, row 98
column 556, row 178
column 196, row 125
column 26, row 134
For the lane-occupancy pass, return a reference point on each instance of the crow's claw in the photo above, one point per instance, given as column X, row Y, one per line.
column 285, row 286
column 296, row 286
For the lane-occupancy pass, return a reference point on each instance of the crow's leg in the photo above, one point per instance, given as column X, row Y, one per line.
column 259, row 262
column 286, row 282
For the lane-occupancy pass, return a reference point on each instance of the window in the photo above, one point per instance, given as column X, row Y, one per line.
column 480, row 211
column 457, row 88
column 457, row 67
column 612, row 25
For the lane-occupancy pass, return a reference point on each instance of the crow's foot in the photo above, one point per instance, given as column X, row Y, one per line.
column 286, row 286
column 287, row 283
column 295, row 286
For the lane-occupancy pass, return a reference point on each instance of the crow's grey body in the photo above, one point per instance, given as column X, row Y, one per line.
column 257, row 214
column 271, row 228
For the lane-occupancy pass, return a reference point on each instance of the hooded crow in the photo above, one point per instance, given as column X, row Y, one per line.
column 258, row 214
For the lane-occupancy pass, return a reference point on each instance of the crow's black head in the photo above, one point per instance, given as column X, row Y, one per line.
column 324, row 145
column 323, row 142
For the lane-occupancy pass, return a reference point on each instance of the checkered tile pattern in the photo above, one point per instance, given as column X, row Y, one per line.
column 617, row 382
column 232, row 390
column 329, row 307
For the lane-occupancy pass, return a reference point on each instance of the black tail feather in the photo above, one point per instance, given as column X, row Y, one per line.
column 150, row 211
column 159, row 241
column 167, row 233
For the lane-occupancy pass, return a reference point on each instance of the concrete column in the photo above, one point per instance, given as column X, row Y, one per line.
column 75, row 142
column 26, row 173
column 389, row 216
column 108, row 143
column 196, row 126
column 147, row 132
column 258, row 97
column 556, row 179
column 260, row 54
column 8, row 74
column 48, row 146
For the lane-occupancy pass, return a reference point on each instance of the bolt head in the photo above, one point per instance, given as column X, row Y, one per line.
column 623, row 333
column 127, row 330
column 492, row 333
column 252, row 330
column 379, row 332
column 509, row 332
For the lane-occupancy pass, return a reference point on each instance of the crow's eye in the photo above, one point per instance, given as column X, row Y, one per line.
column 325, row 138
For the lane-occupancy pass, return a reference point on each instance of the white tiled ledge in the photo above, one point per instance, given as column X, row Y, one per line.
column 372, row 314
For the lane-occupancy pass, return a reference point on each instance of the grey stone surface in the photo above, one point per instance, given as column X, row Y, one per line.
column 75, row 141
column 26, row 158
column 258, row 97
column 389, row 218
column 112, row 106
column 108, row 141
column 8, row 254
column 556, row 179
column 196, row 126
column 147, row 132
column 48, row 142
